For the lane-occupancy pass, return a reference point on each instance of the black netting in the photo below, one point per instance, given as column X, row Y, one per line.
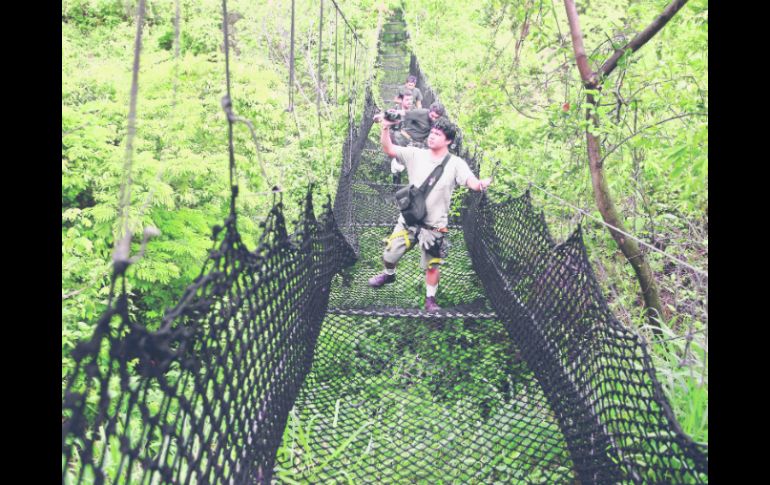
column 281, row 364
column 596, row 372
column 205, row 397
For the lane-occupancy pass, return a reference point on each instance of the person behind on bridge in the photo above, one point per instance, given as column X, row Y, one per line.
column 410, row 87
column 398, row 134
column 430, row 234
column 414, row 128
column 416, row 124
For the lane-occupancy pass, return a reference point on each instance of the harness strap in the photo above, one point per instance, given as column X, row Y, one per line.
column 435, row 261
column 396, row 235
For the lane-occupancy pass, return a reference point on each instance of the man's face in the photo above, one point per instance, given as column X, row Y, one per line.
column 410, row 84
column 437, row 139
column 433, row 115
column 406, row 102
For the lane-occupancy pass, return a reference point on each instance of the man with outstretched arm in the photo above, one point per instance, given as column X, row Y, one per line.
column 431, row 232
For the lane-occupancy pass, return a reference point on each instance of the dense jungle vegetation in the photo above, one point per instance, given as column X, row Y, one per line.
column 505, row 71
column 180, row 173
column 516, row 92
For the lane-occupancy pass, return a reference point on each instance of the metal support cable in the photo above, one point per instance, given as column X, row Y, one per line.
column 320, row 51
column 600, row 221
column 253, row 133
column 123, row 239
column 352, row 30
column 227, row 106
column 233, row 118
column 350, row 114
column 291, row 62
column 336, row 94
column 345, row 53
column 355, row 80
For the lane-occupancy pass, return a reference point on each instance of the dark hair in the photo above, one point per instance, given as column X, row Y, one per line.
column 448, row 128
column 438, row 108
column 411, row 79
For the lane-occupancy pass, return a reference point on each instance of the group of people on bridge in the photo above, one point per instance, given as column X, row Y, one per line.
column 418, row 141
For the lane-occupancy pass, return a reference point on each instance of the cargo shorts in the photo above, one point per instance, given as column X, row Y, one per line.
column 404, row 238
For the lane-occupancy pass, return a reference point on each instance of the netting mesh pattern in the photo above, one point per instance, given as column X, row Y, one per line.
column 575, row 401
column 402, row 400
column 282, row 365
column 597, row 372
column 205, row 398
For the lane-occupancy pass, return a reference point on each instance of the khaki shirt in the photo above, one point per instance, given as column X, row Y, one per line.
column 419, row 165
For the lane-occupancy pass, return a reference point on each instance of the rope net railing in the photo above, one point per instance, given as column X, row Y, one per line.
column 204, row 398
column 609, row 404
column 280, row 364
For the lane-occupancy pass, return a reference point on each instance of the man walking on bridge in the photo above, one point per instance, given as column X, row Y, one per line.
column 430, row 232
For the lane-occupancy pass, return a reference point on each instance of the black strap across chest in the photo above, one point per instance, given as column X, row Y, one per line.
column 427, row 186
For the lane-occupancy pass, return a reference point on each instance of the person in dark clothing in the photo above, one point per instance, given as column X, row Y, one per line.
column 415, row 124
column 413, row 130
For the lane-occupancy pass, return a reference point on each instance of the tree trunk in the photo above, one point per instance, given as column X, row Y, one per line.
column 602, row 195
column 628, row 247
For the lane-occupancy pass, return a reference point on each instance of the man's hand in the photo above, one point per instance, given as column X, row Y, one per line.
column 427, row 238
column 478, row 185
column 387, row 144
column 396, row 167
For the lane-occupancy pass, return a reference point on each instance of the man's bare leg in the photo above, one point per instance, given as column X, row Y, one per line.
column 431, row 285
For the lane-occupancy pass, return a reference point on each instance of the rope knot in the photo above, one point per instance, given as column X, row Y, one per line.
column 227, row 106
column 121, row 258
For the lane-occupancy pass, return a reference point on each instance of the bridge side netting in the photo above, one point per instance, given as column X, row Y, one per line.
column 524, row 376
column 596, row 373
column 205, row 397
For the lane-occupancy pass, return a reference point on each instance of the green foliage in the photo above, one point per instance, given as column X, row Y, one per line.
column 180, row 179
column 429, row 390
column 94, row 13
column 506, row 71
column 90, row 14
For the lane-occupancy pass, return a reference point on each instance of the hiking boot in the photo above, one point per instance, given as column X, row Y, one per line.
column 381, row 279
column 430, row 304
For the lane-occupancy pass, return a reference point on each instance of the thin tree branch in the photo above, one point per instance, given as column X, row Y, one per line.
column 642, row 37
column 609, row 152
column 494, row 36
column 508, row 98
column 73, row 293
column 524, row 32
